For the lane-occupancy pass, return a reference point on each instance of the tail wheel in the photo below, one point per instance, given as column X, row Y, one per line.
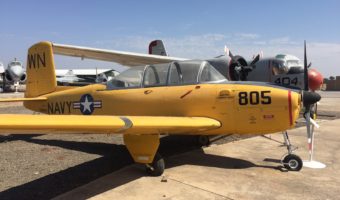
column 292, row 162
column 156, row 168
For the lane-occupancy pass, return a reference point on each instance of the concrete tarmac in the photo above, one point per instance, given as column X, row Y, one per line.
column 246, row 169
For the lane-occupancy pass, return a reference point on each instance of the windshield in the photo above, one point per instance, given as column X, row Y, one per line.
column 127, row 79
column 210, row 74
column 279, row 67
column 14, row 63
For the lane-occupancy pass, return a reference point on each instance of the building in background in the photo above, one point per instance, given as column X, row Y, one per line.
column 332, row 84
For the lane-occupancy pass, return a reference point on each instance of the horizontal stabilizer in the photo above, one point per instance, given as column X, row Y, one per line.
column 104, row 124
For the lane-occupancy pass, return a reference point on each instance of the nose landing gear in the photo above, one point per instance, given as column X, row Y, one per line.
column 291, row 161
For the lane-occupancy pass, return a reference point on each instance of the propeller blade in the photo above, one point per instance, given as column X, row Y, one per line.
column 310, row 99
column 316, row 110
column 313, row 122
column 309, row 65
column 257, row 58
column 261, row 54
column 310, row 129
column 307, row 118
column 305, row 68
column 309, row 134
column 226, row 50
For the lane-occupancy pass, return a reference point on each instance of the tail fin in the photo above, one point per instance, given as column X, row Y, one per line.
column 156, row 47
column 41, row 78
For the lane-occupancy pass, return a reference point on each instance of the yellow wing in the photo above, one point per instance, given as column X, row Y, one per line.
column 104, row 124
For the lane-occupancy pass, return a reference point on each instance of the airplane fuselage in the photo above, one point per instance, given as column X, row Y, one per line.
column 263, row 109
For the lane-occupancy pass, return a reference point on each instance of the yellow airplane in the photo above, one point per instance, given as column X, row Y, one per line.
column 144, row 102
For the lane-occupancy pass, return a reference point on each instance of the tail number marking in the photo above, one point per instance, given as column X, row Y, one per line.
column 286, row 81
column 36, row 60
column 254, row 98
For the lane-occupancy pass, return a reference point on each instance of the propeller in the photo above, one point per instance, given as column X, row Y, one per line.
column 309, row 100
column 257, row 58
column 240, row 66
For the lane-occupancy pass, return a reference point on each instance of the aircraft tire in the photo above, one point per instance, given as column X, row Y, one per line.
column 156, row 168
column 203, row 140
column 292, row 162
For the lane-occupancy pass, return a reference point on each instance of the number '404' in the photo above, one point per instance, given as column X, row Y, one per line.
column 286, row 81
column 254, row 98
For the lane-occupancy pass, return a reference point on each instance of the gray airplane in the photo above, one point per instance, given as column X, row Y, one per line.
column 82, row 77
column 68, row 78
column 14, row 74
column 283, row 69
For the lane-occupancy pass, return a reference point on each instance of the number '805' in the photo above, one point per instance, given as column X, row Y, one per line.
column 254, row 98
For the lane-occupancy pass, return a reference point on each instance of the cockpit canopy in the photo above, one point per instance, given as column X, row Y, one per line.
column 174, row 73
column 14, row 63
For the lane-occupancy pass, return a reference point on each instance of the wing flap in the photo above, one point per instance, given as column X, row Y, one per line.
column 121, row 57
column 104, row 124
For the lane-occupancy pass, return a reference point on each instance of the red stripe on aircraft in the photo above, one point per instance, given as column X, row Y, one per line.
column 290, row 107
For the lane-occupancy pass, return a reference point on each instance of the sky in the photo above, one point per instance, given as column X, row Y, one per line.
column 190, row 29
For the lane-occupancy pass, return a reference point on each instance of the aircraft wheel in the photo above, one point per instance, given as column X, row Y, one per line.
column 156, row 168
column 292, row 162
column 203, row 140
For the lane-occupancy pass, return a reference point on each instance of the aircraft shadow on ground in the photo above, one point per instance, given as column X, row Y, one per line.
column 114, row 157
column 10, row 138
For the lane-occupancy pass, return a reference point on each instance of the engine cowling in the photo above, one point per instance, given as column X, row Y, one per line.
column 23, row 77
column 8, row 77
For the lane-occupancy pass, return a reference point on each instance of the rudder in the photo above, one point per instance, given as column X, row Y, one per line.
column 41, row 78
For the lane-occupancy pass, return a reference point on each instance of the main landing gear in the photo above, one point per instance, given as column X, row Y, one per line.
column 156, row 168
column 291, row 161
column 206, row 140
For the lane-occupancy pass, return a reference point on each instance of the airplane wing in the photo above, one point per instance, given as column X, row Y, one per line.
column 124, row 58
column 10, row 123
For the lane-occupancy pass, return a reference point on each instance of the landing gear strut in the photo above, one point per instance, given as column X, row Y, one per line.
column 291, row 161
column 156, row 168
